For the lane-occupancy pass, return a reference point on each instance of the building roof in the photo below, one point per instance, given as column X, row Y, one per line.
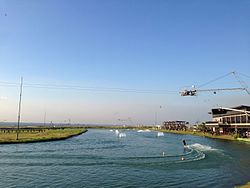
column 217, row 112
column 242, row 107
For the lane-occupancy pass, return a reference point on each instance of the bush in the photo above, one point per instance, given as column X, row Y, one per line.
column 236, row 136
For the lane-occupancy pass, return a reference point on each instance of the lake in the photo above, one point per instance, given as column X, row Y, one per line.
column 106, row 158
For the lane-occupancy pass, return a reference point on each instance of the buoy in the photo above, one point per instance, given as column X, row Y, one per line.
column 163, row 154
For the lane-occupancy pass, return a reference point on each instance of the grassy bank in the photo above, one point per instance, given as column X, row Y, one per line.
column 209, row 135
column 39, row 136
column 244, row 139
column 224, row 137
column 244, row 186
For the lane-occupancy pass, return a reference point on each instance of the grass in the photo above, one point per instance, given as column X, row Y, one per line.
column 209, row 135
column 244, row 139
column 36, row 136
column 244, row 186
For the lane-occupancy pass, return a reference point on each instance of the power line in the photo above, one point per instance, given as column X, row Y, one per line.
column 241, row 82
column 244, row 75
column 93, row 89
column 218, row 78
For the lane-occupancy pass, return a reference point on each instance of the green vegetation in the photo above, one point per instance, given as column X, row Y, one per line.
column 209, row 135
column 244, row 139
column 198, row 133
column 244, row 186
column 39, row 135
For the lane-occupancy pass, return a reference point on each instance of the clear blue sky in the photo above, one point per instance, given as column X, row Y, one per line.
column 139, row 44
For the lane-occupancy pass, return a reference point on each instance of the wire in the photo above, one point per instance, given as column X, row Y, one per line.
column 9, row 83
column 218, row 78
column 241, row 82
column 243, row 75
column 236, row 76
column 95, row 89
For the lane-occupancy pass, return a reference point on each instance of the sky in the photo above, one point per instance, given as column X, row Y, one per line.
column 135, row 45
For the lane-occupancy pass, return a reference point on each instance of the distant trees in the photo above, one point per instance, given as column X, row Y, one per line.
column 201, row 127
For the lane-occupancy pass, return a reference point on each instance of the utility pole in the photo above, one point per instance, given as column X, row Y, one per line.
column 156, row 115
column 19, row 108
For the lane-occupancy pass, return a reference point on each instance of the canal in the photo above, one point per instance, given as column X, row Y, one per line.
column 128, row 158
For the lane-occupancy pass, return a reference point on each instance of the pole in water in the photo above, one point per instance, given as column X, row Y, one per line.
column 19, row 108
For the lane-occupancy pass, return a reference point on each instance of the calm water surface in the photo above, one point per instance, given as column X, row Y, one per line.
column 99, row 158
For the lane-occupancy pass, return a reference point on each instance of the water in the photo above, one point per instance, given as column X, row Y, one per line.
column 100, row 158
column 160, row 134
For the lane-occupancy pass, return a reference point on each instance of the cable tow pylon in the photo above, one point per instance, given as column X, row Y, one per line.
column 193, row 91
column 241, row 82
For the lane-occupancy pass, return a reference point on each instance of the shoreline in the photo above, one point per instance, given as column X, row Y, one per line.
column 46, row 136
column 201, row 134
column 247, row 185
column 208, row 135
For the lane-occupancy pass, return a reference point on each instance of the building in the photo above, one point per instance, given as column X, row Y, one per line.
column 175, row 125
column 230, row 120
